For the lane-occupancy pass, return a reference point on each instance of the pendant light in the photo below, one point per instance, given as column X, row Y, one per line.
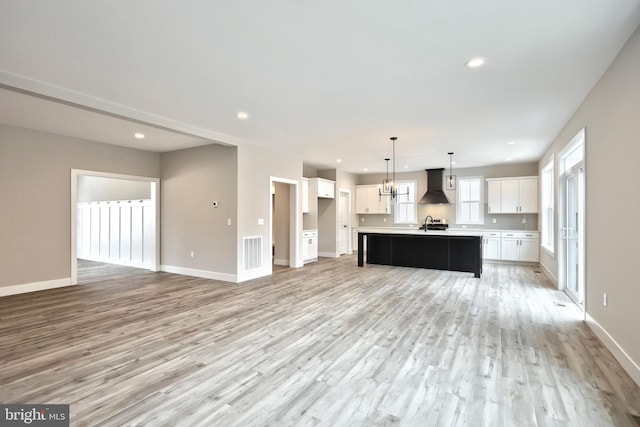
column 451, row 178
column 389, row 185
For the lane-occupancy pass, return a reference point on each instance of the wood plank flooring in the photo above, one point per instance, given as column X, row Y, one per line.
column 329, row 344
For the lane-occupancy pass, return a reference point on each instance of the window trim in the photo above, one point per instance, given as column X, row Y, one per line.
column 547, row 179
column 415, row 203
column 480, row 201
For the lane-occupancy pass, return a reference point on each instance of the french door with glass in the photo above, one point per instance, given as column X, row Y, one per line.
column 572, row 234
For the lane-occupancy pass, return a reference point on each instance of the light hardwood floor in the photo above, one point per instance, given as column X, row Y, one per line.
column 329, row 344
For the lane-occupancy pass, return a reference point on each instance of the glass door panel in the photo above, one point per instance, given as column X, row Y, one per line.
column 572, row 235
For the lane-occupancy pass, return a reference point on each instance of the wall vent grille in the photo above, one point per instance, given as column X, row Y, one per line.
column 252, row 250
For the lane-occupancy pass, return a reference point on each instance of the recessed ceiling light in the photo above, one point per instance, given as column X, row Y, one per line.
column 366, row 169
column 509, row 159
column 453, row 163
column 476, row 62
column 406, row 166
column 138, row 135
column 510, row 143
column 339, row 160
column 242, row 115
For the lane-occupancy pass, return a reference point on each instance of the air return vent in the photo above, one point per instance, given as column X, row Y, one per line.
column 252, row 251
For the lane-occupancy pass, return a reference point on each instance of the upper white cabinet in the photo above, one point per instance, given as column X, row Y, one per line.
column 305, row 195
column 512, row 195
column 369, row 201
column 326, row 188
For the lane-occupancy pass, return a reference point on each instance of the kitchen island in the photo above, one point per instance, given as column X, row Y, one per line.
column 439, row 250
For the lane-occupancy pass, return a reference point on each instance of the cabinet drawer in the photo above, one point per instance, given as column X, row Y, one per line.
column 491, row 234
column 521, row 234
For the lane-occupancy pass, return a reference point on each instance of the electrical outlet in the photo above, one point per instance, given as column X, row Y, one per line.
column 193, row 254
column 384, row 219
column 494, row 220
column 362, row 219
column 260, row 221
column 524, row 220
column 605, row 299
column 228, row 221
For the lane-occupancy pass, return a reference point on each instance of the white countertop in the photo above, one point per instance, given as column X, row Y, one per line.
column 460, row 232
column 451, row 231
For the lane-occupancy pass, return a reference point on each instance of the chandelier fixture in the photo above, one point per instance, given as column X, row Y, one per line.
column 451, row 178
column 389, row 187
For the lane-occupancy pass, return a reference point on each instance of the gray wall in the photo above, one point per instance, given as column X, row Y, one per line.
column 191, row 180
column 610, row 114
column 35, row 187
column 96, row 188
column 255, row 167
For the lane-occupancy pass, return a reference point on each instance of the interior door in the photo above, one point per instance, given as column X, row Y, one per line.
column 572, row 235
column 343, row 223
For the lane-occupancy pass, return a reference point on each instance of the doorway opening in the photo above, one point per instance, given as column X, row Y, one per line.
column 284, row 224
column 114, row 219
column 344, row 223
column 571, row 216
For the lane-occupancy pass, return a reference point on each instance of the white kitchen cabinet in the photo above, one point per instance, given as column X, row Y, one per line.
column 326, row 189
column 369, row 201
column 305, row 195
column 519, row 246
column 309, row 246
column 493, row 196
column 491, row 245
column 512, row 195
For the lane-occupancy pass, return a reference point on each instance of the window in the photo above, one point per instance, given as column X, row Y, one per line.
column 405, row 210
column 470, row 200
column 547, row 208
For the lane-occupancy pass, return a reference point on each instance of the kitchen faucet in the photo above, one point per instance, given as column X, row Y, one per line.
column 427, row 220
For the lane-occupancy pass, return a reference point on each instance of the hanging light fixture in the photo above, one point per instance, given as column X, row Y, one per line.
column 388, row 185
column 451, row 178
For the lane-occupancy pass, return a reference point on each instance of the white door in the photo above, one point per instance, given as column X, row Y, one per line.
column 343, row 223
column 572, row 236
column 572, row 216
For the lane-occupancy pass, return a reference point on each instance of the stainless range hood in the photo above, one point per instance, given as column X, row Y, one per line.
column 434, row 192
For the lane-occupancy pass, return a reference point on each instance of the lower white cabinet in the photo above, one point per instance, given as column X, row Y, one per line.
column 309, row 246
column 519, row 246
column 491, row 245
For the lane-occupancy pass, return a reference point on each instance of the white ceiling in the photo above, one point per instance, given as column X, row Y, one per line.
column 325, row 80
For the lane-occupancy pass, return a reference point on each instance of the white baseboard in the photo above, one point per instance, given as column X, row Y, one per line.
column 329, row 254
column 253, row 274
column 117, row 262
column 33, row 287
column 284, row 262
column 205, row 274
column 621, row 356
column 551, row 277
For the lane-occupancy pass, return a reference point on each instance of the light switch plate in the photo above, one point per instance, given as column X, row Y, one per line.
column 260, row 221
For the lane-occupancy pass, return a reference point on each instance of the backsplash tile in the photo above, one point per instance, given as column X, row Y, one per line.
column 448, row 212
